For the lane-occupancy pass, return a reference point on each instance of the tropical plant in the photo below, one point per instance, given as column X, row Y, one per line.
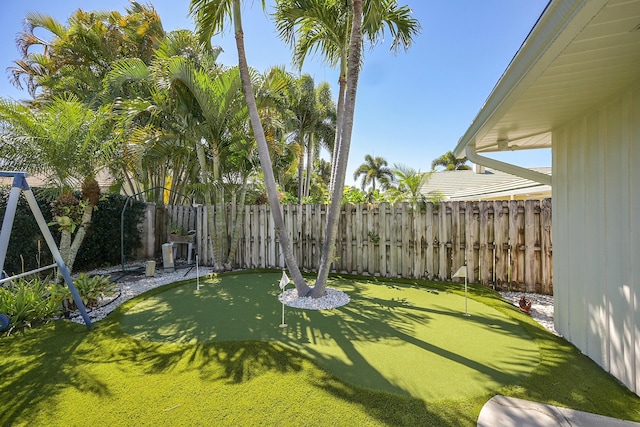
column 450, row 162
column 27, row 302
column 158, row 122
column 91, row 290
column 374, row 169
column 68, row 144
column 407, row 185
column 78, row 56
column 211, row 17
column 313, row 123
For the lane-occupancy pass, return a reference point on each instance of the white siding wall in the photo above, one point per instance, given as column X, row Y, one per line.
column 596, row 228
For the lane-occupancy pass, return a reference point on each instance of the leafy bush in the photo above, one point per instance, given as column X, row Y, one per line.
column 91, row 290
column 101, row 246
column 353, row 195
column 28, row 302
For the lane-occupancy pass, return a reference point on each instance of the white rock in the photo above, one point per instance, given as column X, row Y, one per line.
column 334, row 298
column 541, row 307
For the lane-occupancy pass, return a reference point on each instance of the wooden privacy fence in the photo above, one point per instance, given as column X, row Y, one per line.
column 506, row 244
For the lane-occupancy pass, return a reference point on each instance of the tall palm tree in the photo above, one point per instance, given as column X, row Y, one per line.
column 325, row 26
column 312, row 113
column 342, row 147
column 211, row 17
column 450, row 162
column 336, row 29
column 322, row 133
column 374, row 169
column 68, row 144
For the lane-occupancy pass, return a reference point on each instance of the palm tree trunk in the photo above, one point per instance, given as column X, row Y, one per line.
column 307, row 180
column 265, row 158
column 79, row 237
column 208, row 203
column 328, row 248
column 68, row 248
column 342, row 82
column 237, row 223
column 339, row 118
column 301, row 166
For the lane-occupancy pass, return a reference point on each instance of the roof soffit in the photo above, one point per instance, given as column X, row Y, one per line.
column 577, row 55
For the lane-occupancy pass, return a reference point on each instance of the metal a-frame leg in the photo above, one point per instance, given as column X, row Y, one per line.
column 20, row 185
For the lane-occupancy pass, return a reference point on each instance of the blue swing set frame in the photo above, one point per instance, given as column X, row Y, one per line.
column 19, row 186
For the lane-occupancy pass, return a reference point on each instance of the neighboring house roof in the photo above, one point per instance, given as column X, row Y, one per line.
column 105, row 180
column 486, row 184
column 578, row 54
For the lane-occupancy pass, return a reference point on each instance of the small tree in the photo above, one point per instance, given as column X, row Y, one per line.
column 407, row 185
column 68, row 144
column 449, row 161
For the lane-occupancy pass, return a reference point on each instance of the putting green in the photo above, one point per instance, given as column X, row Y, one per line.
column 396, row 338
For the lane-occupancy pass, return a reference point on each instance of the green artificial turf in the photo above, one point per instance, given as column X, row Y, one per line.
column 395, row 338
column 166, row 368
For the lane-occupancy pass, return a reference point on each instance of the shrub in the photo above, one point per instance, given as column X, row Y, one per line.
column 91, row 290
column 28, row 302
column 101, row 246
column 27, row 248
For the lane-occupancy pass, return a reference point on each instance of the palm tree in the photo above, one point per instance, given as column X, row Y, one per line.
column 449, row 161
column 156, row 128
column 337, row 31
column 207, row 106
column 325, row 26
column 406, row 185
column 211, row 17
column 67, row 143
column 373, row 169
column 313, row 113
column 79, row 55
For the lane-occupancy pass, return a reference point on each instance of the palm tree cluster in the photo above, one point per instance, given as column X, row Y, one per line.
column 116, row 93
column 399, row 183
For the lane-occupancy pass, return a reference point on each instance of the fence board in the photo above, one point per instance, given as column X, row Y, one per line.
column 430, row 239
column 372, row 241
column 471, row 240
column 546, row 264
column 501, row 242
column 530, row 244
column 384, row 237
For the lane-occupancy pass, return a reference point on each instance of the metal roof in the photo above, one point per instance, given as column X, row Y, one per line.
column 490, row 184
column 577, row 55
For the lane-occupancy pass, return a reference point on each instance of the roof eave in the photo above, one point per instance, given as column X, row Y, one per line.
column 561, row 21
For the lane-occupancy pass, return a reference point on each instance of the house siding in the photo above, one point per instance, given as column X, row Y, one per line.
column 596, row 227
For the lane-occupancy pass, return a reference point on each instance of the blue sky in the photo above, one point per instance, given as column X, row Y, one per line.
column 411, row 107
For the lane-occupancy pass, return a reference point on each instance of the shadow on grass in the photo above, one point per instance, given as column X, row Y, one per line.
column 36, row 364
column 45, row 362
column 356, row 342
column 243, row 342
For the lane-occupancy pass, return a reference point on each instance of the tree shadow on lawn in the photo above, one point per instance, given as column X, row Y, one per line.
column 36, row 364
column 388, row 338
column 40, row 363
